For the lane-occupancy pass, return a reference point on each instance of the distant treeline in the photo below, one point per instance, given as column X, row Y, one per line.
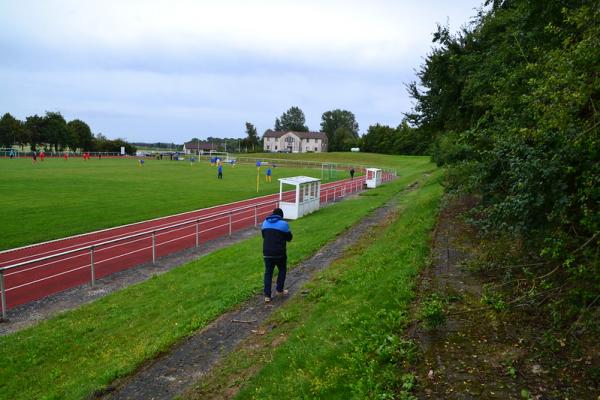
column 52, row 132
column 341, row 129
column 159, row 145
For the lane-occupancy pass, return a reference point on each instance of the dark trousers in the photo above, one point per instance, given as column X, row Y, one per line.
column 270, row 264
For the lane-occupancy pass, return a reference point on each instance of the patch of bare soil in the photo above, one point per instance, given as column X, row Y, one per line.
column 479, row 353
column 187, row 362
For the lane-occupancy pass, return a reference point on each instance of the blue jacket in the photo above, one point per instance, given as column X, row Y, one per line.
column 276, row 233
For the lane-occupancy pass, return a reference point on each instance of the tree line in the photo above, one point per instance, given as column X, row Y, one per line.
column 342, row 132
column 52, row 132
column 512, row 106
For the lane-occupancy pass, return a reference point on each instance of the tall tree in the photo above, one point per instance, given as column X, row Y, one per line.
column 54, row 130
column 379, row 139
column 80, row 135
column 292, row 120
column 34, row 128
column 10, row 128
column 252, row 136
column 332, row 121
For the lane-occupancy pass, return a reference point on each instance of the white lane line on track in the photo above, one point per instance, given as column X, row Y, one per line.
column 138, row 223
column 128, row 243
column 91, row 242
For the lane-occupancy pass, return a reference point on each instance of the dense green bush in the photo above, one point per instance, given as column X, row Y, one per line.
column 513, row 104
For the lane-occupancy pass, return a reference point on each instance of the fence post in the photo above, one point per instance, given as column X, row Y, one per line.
column 153, row 247
column 255, row 216
column 229, row 223
column 197, row 232
column 3, row 290
column 92, row 266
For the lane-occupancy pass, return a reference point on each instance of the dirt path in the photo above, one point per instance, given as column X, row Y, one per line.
column 479, row 353
column 188, row 361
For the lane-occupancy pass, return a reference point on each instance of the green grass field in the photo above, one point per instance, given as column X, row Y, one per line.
column 58, row 198
column 344, row 339
column 77, row 352
column 365, row 159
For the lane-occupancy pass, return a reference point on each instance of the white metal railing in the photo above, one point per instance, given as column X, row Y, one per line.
column 229, row 220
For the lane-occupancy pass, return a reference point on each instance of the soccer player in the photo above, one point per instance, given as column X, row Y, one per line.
column 268, row 177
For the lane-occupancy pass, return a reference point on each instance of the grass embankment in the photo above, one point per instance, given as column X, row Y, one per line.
column 57, row 198
column 344, row 339
column 78, row 352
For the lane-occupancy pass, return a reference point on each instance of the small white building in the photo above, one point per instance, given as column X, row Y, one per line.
column 373, row 177
column 294, row 142
column 307, row 196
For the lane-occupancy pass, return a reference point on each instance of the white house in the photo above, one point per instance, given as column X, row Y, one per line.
column 294, row 142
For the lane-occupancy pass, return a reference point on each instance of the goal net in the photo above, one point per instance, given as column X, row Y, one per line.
column 328, row 171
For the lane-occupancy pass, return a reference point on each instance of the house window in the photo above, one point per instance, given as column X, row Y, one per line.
column 275, row 147
column 289, row 139
column 268, row 147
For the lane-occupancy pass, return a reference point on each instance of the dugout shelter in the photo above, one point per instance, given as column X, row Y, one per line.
column 306, row 199
column 373, row 177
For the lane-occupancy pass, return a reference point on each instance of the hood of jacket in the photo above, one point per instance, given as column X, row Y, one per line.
column 274, row 218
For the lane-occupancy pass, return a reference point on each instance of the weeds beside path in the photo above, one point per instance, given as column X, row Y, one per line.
column 479, row 353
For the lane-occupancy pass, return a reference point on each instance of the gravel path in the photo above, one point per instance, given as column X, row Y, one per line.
column 172, row 373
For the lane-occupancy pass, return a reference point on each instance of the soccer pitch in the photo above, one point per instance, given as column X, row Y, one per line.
column 57, row 198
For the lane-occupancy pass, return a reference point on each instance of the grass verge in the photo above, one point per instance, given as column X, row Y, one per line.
column 79, row 352
column 344, row 338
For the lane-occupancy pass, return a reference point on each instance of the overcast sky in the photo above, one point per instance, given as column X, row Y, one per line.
column 172, row 70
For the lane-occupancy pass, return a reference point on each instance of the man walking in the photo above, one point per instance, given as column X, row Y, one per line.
column 276, row 233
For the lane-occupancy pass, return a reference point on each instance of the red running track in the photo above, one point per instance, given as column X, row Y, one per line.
column 37, row 279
